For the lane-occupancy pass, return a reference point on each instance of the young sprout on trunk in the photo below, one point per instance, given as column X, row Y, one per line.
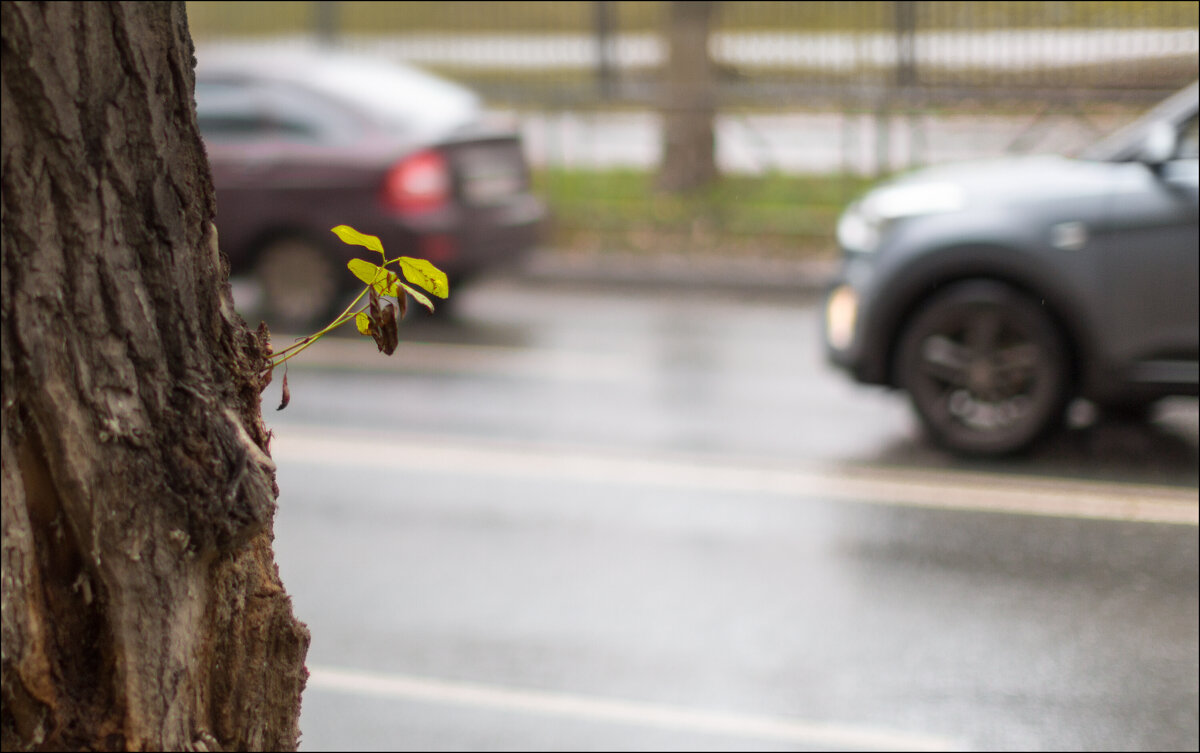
column 379, row 318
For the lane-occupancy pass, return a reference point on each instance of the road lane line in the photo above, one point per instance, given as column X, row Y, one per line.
column 618, row 711
column 940, row 489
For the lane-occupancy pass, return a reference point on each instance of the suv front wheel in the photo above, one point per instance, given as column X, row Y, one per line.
column 985, row 368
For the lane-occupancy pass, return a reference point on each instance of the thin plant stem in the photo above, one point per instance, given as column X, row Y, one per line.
column 295, row 349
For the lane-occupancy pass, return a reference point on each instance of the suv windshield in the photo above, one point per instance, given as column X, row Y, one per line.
column 1125, row 144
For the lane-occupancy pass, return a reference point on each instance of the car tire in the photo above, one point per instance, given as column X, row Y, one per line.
column 985, row 368
column 298, row 280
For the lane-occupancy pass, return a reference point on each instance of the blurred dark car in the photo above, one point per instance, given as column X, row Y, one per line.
column 994, row 293
column 302, row 140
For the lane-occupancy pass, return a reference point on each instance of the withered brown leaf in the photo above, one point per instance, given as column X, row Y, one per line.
column 389, row 330
column 287, row 395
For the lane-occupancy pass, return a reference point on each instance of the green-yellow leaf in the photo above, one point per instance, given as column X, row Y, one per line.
column 363, row 322
column 383, row 280
column 418, row 296
column 423, row 273
column 354, row 238
column 393, row 285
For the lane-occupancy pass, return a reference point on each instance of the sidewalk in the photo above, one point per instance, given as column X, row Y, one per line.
column 627, row 270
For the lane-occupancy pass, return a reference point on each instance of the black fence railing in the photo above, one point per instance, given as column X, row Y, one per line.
column 536, row 53
column 856, row 89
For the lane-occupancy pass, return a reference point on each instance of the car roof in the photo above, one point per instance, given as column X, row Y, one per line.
column 1124, row 144
column 390, row 92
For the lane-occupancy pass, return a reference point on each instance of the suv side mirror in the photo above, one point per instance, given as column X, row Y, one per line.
column 1158, row 145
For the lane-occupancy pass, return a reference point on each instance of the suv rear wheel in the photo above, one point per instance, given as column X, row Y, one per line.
column 985, row 368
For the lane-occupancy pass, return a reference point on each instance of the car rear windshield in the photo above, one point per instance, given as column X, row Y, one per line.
column 258, row 110
column 403, row 98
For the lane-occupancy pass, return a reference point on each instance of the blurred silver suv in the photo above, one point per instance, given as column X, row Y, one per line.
column 993, row 293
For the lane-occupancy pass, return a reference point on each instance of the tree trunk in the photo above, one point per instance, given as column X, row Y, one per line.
column 142, row 608
column 689, row 99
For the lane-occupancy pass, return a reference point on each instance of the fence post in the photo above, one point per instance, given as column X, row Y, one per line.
column 906, row 44
column 325, row 14
column 906, row 75
column 900, row 88
column 604, row 20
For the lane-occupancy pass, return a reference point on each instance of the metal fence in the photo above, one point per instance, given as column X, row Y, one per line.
column 801, row 88
column 770, row 53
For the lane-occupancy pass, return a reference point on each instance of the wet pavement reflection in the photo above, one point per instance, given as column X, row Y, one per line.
column 730, row 373
column 595, row 519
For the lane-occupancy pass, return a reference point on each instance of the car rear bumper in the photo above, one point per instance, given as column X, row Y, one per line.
column 465, row 242
column 497, row 236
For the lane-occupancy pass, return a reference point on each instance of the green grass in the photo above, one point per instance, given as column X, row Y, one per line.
column 620, row 210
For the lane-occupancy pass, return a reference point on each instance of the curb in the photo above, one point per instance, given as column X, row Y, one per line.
column 676, row 272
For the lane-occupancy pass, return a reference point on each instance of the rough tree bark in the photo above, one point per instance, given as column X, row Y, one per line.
column 142, row 608
column 689, row 99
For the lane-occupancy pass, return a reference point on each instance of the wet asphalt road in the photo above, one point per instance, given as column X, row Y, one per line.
column 571, row 518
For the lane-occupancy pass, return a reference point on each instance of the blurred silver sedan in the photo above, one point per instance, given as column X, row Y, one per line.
column 302, row 140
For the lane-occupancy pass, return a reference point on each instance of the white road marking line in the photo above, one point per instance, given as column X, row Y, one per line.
column 941, row 489
column 618, row 711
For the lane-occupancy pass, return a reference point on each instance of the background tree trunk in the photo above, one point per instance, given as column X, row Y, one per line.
column 689, row 99
column 141, row 604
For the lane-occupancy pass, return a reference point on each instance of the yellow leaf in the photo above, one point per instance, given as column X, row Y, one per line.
column 363, row 322
column 354, row 238
column 419, row 297
column 384, row 281
column 423, row 273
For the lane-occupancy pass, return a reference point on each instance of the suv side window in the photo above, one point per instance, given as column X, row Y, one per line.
column 1180, row 171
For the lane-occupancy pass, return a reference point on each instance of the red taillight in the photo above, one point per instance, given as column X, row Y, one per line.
column 417, row 183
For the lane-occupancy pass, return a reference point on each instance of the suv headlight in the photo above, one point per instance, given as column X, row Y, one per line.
column 864, row 224
column 857, row 232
